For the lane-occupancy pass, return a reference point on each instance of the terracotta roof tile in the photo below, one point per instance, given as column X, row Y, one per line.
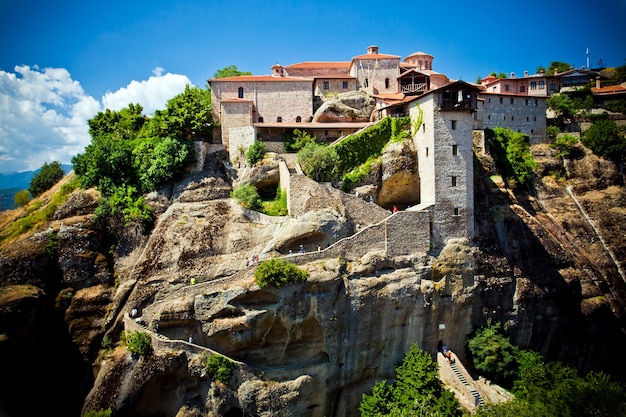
column 316, row 65
column 247, row 78
column 376, row 56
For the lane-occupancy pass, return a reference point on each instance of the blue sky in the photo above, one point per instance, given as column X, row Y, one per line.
column 62, row 62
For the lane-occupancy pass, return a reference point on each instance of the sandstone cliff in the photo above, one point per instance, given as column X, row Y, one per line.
column 546, row 262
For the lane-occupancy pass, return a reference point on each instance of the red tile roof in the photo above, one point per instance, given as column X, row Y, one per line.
column 246, row 78
column 376, row 56
column 609, row 89
column 304, row 65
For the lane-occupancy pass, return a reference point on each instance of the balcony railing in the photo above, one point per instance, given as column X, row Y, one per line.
column 413, row 88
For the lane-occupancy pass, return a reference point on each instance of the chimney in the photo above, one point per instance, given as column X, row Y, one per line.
column 525, row 73
column 512, row 75
column 541, row 71
column 372, row 50
column 598, row 81
column 278, row 70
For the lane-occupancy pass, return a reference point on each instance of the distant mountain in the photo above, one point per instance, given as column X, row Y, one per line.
column 16, row 181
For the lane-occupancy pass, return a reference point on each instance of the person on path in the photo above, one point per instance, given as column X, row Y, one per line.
column 301, row 249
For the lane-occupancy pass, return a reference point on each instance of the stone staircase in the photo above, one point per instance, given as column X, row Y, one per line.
column 478, row 400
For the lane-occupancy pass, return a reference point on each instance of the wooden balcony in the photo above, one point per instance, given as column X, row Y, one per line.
column 414, row 88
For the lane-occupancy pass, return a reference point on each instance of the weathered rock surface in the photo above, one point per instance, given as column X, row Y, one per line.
column 537, row 264
column 354, row 106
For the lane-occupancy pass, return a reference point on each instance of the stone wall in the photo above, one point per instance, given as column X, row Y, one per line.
column 240, row 140
column 519, row 113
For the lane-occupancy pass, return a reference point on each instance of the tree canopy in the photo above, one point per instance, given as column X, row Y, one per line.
column 230, row 71
column 131, row 153
column 417, row 390
column 559, row 66
column 48, row 175
column 606, row 139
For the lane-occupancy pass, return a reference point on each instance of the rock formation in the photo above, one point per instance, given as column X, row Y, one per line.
column 546, row 263
column 354, row 106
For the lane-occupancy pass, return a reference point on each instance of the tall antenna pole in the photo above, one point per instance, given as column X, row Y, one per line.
column 587, row 58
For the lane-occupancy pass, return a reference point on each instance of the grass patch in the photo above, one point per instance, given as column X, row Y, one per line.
column 38, row 213
column 277, row 206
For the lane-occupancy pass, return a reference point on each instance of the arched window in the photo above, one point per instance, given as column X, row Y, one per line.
column 298, row 119
column 279, row 119
column 260, row 119
column 240, row 92
column 386, row 82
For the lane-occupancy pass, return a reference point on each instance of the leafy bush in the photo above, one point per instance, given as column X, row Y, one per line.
column 417, row 390
column 276, row 207
column 99, row 413
column 48, row 175
column 52, row 245
column 247, row 196
column 158, row 160
column 128, row 203
column 358, row 174
column 298, row 141
column 606, row 139
column 278, row 272
column 21, row 198
column 255, row 152
column 511, row 153
column 138, row 342
column 219, row 368
column 564, row 144
column 319, row 162
column 493, row 354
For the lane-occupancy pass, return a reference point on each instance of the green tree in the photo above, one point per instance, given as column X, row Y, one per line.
column 255, row 152
column 187, row 116
column 46, row 177
column 298, row 141
column 219, row 368
column 493, row 354
column 123, row 124
column 417, row 391
column 229, row 71
column 278, row 272
column 138, row 342
column 159, row 160
column 319, row 162
column 606, row 139
column 559, row 66
column 247, row 196
column 21, row 198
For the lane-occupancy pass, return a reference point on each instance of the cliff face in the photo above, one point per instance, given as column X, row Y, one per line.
column 543, row 262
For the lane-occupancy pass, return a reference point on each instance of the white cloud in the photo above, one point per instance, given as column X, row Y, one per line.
column 152, row 93
column 44, row 113
column 43, row 117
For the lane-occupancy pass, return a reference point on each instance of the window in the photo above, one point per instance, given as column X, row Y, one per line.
column 536, row 102
column 489, row 100
column 535, row 118
column 533, row 85
column 456, row 211
column 260, row 119
column 453, row 124
column 279, row 119
column 488, row 117
column 240, row 92
column 455, row 150
column 500, row 100
column 453, row 182
column 386, row 82
column 506, row 87
column 522, row 88
column 527, row 102
column 366, row 82
column 424, row 127
column 426, row 151
column 326, row 85
column 345, row 85
column 542, row 85
column 512, row 118
column 527, row 119
column 552, row 86
column 511, row 100
column 298, row 119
